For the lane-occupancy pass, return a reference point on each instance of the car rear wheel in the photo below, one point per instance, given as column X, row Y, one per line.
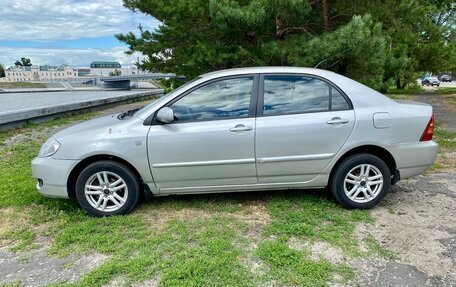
column 106, row 188
column 360, row 181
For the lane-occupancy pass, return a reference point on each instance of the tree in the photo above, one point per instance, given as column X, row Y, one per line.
column 23, row 62
column 115, row 73
column 2, row 71
column 392, row 41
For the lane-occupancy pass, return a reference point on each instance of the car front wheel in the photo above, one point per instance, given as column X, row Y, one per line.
column 106, row 188
column 360, row 181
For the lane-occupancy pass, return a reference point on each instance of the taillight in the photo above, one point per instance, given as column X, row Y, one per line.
column 429, row 131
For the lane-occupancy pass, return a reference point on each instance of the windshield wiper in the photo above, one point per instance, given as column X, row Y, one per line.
column 127, row 114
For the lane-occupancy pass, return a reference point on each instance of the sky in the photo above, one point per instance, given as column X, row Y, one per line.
column 73, row 32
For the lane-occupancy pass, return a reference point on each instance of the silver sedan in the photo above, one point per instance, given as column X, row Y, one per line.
column 240, row 130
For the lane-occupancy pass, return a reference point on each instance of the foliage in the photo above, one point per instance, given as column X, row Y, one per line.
column 408, row 90
column 376, row 42
column 23, row 62
column 21, row 85
column 115, row 73
column 2, row 71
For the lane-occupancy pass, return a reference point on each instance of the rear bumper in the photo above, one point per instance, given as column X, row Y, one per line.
column 414, row 158
column 52, row 176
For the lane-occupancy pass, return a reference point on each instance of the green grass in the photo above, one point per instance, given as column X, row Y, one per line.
column 198, row 240
column 377, row 250
column 446, row 90
column 450, row 100
column 20, row 85
column 447, row 145
column 409, row 90
column 294, row 268
column 445, row 139
column 314, row 217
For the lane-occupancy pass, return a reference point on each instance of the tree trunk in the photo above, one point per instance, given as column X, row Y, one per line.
column 326, row 15
column 398, row 84
column 279, row 29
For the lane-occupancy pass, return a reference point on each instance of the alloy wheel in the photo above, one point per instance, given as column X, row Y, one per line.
column 106, row 191
column 363, row 183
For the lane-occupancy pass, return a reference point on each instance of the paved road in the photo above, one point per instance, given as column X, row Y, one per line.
column 24, row 101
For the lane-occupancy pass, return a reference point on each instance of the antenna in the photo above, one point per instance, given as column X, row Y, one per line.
column 322, row 61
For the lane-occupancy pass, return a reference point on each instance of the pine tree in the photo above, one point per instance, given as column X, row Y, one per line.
column 391, row 43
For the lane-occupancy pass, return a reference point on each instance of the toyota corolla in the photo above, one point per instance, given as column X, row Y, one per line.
column 241, row 130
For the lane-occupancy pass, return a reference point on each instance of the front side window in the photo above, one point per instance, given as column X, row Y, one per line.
column 294, row 94
column 218, row 100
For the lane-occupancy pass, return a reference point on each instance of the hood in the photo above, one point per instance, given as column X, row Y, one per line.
column 103, row 123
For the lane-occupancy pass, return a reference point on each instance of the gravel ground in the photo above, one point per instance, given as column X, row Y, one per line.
column 416, row 221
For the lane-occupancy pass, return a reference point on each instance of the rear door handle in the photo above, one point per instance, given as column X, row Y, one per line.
column 241, row 128
column 337, row 121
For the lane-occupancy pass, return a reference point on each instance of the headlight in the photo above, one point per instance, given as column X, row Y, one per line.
column 50, row 147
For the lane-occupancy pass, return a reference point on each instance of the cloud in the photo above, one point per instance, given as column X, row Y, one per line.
column 73, row 57
column 38, row 20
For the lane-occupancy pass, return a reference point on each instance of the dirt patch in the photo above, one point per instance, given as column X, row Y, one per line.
column 159, row 218
column 6, row 214
column 37, row 268
column 255, row 215
column 148, row 283
column 318, row 250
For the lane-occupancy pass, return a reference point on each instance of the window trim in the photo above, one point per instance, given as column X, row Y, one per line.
column 151, row 120
column 260, row 101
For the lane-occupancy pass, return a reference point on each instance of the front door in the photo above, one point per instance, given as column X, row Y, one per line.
column 302, row 123
column 211, row 141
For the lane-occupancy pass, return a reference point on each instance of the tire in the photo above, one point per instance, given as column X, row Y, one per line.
column 368, row 192
column 97, row 198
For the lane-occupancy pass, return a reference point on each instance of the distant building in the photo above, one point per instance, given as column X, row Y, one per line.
column 64, row 73
column 38, row 73
column 83, row 72
column 102, row 68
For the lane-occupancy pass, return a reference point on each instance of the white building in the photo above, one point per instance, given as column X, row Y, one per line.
column 38, row 73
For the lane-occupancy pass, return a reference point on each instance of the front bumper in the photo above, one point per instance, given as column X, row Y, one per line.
column 52, row 175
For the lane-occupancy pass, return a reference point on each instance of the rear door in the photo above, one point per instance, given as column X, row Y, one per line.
column 302, row 122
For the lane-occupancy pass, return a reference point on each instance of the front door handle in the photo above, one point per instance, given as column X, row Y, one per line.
column 337, row 121
column 241, row 128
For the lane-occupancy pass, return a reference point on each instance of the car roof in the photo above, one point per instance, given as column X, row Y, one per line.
column 269, row 69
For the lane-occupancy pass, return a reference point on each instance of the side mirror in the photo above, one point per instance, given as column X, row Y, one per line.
column 165, row 115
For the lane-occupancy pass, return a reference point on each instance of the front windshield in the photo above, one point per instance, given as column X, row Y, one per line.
column 172, row 92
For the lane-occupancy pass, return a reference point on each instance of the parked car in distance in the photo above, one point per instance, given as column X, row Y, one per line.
column 241, row 130
column 430, row 82
column 445, row 78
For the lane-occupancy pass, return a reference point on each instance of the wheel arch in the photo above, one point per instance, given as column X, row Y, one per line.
column 375, row 150
column 71, row 182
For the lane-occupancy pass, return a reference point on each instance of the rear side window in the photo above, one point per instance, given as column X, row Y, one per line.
column 338, row 102
column 293, row 94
